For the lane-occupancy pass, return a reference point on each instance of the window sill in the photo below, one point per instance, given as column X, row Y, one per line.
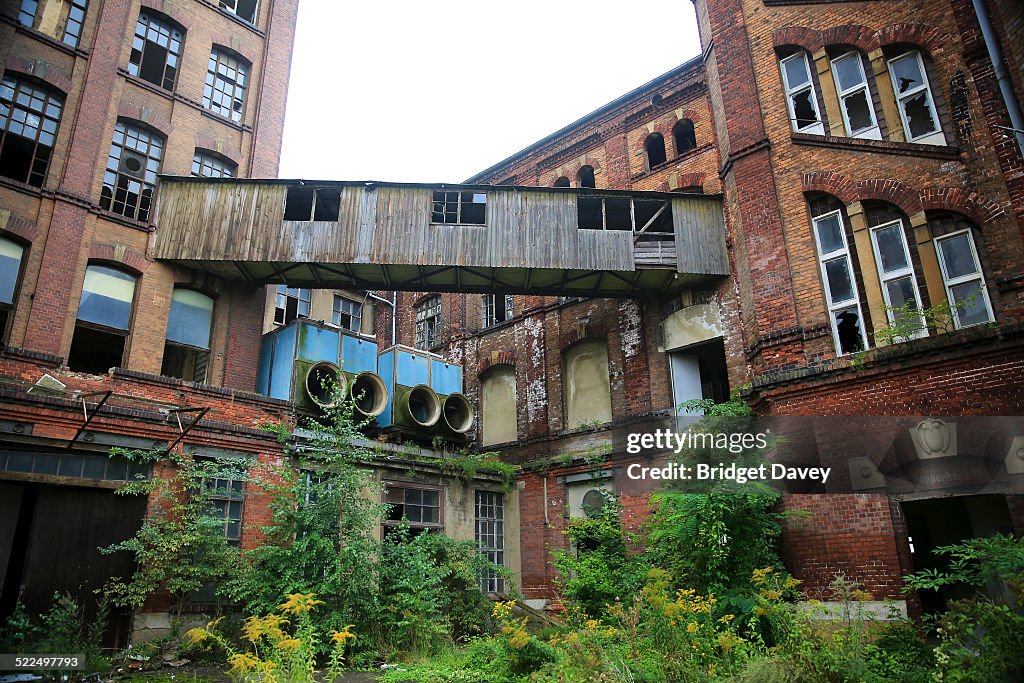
column 123, row 220
column 146, row 85
column 45, row 38
column 670, row 163
column 458, row 225
column 176, row 97
column 235, row 18
column 219, row 117
column 22, row 187
column 877, row 146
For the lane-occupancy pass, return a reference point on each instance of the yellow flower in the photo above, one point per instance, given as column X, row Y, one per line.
column 196, row 635
column 242, row 663
column 692, row 627
column 289, row 644
column 299, row 603
column 519, row 639
column 727, row 619
column 343, row 635
column 591, row 624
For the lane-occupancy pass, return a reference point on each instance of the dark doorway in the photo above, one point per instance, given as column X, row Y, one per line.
column 939, row 522
column 49, row 540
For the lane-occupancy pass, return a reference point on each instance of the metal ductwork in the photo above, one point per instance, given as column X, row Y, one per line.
column 369, row 394
column 457, row 413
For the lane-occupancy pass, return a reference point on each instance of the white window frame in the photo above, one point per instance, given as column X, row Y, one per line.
column 817, row 128
column 871, row 132
column 884, row 278
column 934, row 138
column 950, row 282
column 827, row 257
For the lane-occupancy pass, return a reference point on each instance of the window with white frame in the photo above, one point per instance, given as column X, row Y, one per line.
column 243, row 9
column 207, row 165
column 914, row 99
column 899, row 284
column 963, row 278
column 801, row 97
column 428, row 322
column 845, row 314
column 226, row 78
column 291, row 303
column 490, row 537
column 497, row 308
column 855, row 97
column 347, row 314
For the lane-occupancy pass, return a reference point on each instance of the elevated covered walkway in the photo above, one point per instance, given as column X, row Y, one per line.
column 457, row 238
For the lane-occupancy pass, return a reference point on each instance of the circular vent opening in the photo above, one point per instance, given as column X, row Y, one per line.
column 458, row 413
column 370, row 394
column 424, row 406
column 133, row 164
column 321, row 381
column 593, row 502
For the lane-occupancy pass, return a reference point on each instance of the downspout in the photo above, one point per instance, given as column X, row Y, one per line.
column 995, row 54
column 393, row 303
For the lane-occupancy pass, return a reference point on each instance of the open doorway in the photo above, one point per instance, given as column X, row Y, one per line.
column 939, row 522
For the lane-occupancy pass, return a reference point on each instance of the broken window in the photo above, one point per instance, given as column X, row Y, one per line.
column 419, row 507
column 855, row 96
column 59, row 19
column 498, row 413
column 209, row 165
column 312, row 204
column 562, row 182
column 587, row 391
column 914, row 99
column 801, row 99
column 654, row 146
column 348, row 314
column 156, row 50
column 29, row 115
column 104, row 315
column 684, row 136
column 132, row 166
column 291, row 303
column 841, row 296
column 187, row 349
column 497, row 308
column 226, row 77
column 459, row 208
column 490, row 537
column 899, row 283
column 428, row 322
column 648, row 218
column 11, row 254
column 243, row 9
column 586, row 177
column 962, row 276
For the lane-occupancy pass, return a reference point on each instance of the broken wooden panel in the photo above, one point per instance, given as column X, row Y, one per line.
column 373, row 235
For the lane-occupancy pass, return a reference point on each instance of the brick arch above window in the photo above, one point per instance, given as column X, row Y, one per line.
column 693, row 114
column 581, row 333
column 861, row 37
column 572, row 171
column 209, row 143
column 20, row 228
column 495, row 359
column 797, row 36
column 686, row 180
column 120, row 255
column 930, row 39
column 976, row 207
column 146, row 116
column 831, row 182
column 242, row 46
column 892, row 191
column 40, row 70
column 181, row 17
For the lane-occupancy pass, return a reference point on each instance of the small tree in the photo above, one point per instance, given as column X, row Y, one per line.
column 181, row 546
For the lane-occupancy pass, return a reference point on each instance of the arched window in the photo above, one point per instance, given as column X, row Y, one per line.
column 562, row 182
column 654, row 145
column 962, row 271
column 586, row 177
column 209, row 165
column 498, row 405
column 801, row 94
column 187, row 349
column 895, row 257
column 132, row 167
column 684, row 136
column 587, row 389
column 29, row 115
column 840, row 278
column 11, row 254
column 243, row 9
column 104, row 316
column 156, row 49
column 914, row 99
column 226, row 81
column 855, row 101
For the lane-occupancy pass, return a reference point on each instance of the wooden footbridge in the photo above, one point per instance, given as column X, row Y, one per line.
column 457, row 238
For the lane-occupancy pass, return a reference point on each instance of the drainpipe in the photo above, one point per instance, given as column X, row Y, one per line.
column 995, row 54
column 393, row 303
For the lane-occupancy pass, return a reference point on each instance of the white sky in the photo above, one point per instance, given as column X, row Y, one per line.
column 437, row 91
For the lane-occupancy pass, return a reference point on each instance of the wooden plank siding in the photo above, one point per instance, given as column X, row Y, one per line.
column 235, row 228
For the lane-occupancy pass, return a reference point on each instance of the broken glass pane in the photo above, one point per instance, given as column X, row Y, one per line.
column 803, row 109
column 858, row 111
column 848, row 330
column 840, row 280
column 920, row 117
column 906, row 73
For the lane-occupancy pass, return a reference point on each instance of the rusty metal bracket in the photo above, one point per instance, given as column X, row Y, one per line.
column 85, row 412
column 182, row 428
